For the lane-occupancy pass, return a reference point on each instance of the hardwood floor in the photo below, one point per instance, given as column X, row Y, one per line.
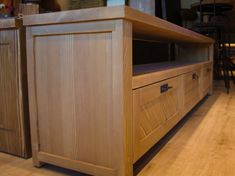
column 204, row 145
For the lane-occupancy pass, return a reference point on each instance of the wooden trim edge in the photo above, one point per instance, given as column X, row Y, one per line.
column 79, row 166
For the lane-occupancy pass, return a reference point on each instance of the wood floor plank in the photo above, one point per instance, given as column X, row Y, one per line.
column 204, row 146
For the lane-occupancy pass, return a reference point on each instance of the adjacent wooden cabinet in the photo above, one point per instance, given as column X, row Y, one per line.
column 14, row 119
column 91, row 109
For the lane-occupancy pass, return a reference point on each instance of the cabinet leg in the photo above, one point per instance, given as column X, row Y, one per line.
column 37, row 163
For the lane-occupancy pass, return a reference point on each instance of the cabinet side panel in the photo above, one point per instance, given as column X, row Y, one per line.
column 80, row 96
column 192, row 52
column 73, row 78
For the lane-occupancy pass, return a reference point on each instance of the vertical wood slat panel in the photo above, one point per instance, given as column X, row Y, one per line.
column 80, row 105
column 71, row 79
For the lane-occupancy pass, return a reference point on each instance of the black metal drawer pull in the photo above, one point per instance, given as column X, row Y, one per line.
column 195, row 76
column 165, row 88
column 208, row 69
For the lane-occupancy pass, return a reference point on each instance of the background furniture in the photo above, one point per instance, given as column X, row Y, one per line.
column 28, row 9
column 91, row 109
column 216, row 25
column 14, row 119
column 169, row 10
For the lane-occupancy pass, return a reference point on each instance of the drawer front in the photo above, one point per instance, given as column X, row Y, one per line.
column 206, row 79
column 191, row 82
column 154, row 107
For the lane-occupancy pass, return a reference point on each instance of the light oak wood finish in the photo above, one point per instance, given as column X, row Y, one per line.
column 191, row 86
column 165, row 72
column 158, row 107
column 207, row 136
column 14, row 120
column 144, row 25
column 81, row 87
column 153, row 113
column 205, row 79
column 205, row 144
column 82, row 96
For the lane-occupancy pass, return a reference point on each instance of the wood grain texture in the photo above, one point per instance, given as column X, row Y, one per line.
column 206, row 77
column 204, row 145
column 80, row 104
column 80, row 85
column 14, row 128
column 9, row 116
column 207, row 136
column 144, row 25
column 191, row 81
column 211, row 58
column 153, row 112
column 192, row 52
column 161, row 74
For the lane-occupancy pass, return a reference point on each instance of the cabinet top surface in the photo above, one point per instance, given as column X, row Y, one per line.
column 144, row 25
column 9, row 23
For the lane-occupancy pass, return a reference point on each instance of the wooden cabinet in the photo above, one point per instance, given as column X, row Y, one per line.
column 158, row 107
column 206, row 79
column 154, row 108
column 197, row 84
column 14, row 122
column 191, row 82
column 91, row 110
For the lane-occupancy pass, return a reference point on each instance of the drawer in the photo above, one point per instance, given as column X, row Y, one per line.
column 191, row 84
column 206, row 79
column 156, row 110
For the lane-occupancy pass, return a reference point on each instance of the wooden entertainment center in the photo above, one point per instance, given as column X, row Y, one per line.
column 91, row 109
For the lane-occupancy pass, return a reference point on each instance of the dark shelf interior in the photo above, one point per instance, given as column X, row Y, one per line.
column 146, row 52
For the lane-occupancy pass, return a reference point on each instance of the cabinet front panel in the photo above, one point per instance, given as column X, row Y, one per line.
column 9, row 94
column 74, row 96
column 191, row 83
column 206, row 81
column 155, row 106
